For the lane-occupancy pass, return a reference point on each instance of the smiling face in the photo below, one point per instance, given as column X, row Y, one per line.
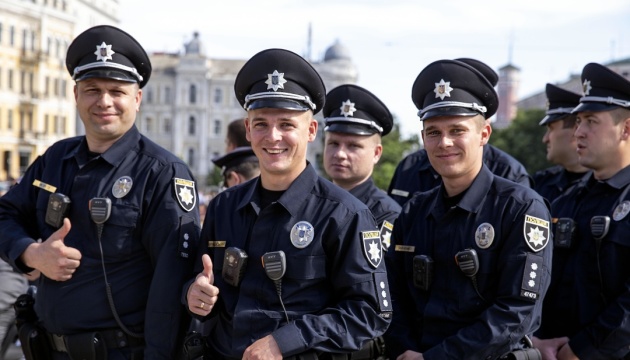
column 349, row 159
column 107, row 109
column 279, row 139
column 454, row 145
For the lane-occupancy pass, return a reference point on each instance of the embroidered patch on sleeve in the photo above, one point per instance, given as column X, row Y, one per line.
column 530, row 286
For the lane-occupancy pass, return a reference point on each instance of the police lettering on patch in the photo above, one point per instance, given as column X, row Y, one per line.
column 530, row 286
column 536, row 232
column 122, row 186
column 372, row 248
column 484, row 236
column 185, row 193
column 621, row 210
column 386, row 234
column 302, row 234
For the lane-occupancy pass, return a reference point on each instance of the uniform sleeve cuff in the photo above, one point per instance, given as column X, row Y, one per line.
column 289, row 340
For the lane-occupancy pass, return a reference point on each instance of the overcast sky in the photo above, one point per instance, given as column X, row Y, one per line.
column 391, row 41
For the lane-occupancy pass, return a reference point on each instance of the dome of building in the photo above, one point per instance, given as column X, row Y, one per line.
column 337, row 52
column 194, row 46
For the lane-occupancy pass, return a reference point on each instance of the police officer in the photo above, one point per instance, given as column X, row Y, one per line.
column 321, row 286
column 560, row 142
column 587, row 312
column 414, row 173
column 113, row 262
column 355, row 121
column 470, row 262
column 235, row 136
column 238, row 166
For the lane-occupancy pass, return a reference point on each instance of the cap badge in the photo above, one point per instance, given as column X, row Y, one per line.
column 347, row 108
column 275, row 81
column 443, row 89
column 484, row 236
column 586, row 87
column 104, row 52
column 621, row 210
column 302, row 234
column 122, row 186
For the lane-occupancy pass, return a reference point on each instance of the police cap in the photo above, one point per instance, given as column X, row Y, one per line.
column 235, row 157
column 354, row 110
column 560, row 103
column 603, row 89
column 483, row 68
column 278, row 78
column 453, row 88
column 105, row 51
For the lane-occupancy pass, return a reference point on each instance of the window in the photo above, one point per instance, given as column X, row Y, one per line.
column 167, row 125
column 47, row 125
column 149, row 96
column 33, row 41
column 46, row 86
column 217, row 127
column 167, row 95
column 191, row 157
column 149, row 124
column 218, row 96
column 25, row 160
column 193, row 94
column 24, row 37
column 56, row 88
column 0, row 33
column 48, row 45
column 11, row 35
column 191, row 125
column 22, row 81
column 10, row 79
column 10, row 119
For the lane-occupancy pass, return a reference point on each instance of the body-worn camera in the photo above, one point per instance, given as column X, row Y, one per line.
column 58, row 205
column 234, row 265
column 422, row 272
column 565, row 228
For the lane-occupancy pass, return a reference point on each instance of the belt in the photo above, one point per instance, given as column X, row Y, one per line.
column 114, row 339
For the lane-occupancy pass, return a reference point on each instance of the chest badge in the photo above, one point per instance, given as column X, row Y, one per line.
column 621, row 210
column 536, row 232
column 372, row 247
column 122, row 186
column 484, row 236
column 185, row 193
column 302, row 234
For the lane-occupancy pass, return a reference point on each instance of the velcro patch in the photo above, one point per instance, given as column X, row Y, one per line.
column 536, row 232
column 386, row 234
column 185, row 193
column 372, row 247
column 188, row 236
column 530, row 286
column 382, row 294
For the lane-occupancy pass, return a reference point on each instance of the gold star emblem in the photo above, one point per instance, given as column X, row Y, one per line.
column 104, row 52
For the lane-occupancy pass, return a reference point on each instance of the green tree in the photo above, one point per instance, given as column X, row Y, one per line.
column 523, row 140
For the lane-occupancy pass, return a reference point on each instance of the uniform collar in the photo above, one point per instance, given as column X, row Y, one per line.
column 301, row 186
column 114, row 155
column 620, row 179
column 362, row 190
column 474, row 196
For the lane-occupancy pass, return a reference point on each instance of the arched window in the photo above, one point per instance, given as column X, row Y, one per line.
column 191, row 125
column 193, row 94
column 191, row 157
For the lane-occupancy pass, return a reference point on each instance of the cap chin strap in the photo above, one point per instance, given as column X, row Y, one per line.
column 608, row 100
column 79, row 69
column 473, row 106
column 564, row 110
column 279, row 95
column 372, row 124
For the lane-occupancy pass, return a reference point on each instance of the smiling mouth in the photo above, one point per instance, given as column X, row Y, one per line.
column 274, row 151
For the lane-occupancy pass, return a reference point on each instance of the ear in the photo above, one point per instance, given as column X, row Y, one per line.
column 625, row 130
column 138, row 99
column 486, row 130
column 378, row 151
column 234, row 178
column 312, row 129
column 76, row 92
column 248, row 129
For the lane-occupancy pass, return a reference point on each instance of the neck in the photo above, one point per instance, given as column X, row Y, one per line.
column 349, row 185
column 279, row 182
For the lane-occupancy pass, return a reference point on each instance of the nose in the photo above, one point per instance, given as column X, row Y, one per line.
column 105, row 100
column 545, row 138
column 446, row 141
column 275, row 133
column 579, row 131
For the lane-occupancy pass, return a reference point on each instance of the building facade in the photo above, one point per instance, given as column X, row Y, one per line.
column 190, row 101
column 36, row 99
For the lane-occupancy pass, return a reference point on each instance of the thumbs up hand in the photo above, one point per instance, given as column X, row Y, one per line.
column 52, row 257
column 202, row 294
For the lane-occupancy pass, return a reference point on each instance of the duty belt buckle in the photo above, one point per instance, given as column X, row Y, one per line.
column 59, row 343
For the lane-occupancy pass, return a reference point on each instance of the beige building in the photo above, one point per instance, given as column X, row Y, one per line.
column 36, row 101
column 189, row 102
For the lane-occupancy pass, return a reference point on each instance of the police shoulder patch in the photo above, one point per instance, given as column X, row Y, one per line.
column 372, row 248
column 530, row 285
column 185, row 193
column 386, row 234
column 536, row 232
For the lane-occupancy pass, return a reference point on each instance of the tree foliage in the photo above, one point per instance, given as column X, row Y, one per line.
column 394, row 149
column 523, row 140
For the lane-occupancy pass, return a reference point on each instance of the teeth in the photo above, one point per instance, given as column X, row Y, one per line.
column 274, row 151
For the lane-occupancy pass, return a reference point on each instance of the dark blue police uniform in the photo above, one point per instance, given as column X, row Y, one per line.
column 589, row 296
column 468, row 271
column 414, row 173
column 552, row 182
column 450, row 320
column 382, row 206
column 148, row 240
column 134, row 264
column 335, row 288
